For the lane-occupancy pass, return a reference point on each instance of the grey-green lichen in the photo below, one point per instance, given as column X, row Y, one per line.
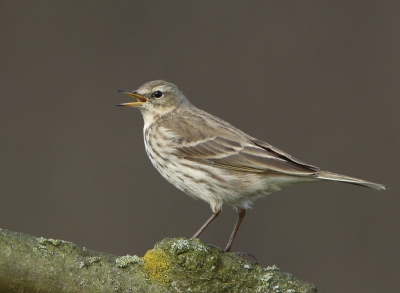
column 174, row 265
column 51, row 246
column 55, row 242
column 125, row 261
column 89, row 261
column 271, row 268
column 280, row 282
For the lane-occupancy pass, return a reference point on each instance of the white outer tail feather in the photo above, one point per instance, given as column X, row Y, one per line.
column 326, row 175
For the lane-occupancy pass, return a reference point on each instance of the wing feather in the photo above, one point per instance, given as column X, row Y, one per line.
column 228, row 154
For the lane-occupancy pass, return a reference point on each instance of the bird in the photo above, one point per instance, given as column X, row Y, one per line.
column 210, row 159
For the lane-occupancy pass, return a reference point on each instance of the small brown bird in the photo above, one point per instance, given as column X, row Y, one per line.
column 209, row 159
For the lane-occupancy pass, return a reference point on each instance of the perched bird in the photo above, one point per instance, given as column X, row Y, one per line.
column 209, row 159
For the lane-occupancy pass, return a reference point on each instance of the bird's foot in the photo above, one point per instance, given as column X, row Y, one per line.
column 216, row 247
column 240, row 253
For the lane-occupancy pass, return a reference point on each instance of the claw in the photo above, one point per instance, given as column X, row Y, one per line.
column 242, row 254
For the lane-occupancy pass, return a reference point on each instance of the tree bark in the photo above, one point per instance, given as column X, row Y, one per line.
column 31, row 264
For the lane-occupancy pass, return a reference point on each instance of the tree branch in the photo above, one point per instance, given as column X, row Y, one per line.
column 31, row 264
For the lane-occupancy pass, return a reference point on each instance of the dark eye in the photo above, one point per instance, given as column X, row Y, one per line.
column 158, row 94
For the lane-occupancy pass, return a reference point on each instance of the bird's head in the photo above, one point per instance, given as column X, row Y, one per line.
column 155, row 98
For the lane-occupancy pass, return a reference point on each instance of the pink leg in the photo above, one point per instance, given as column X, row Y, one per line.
column 241, row 212
column 213, row 216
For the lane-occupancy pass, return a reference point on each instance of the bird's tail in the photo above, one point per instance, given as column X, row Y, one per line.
column 342, row 178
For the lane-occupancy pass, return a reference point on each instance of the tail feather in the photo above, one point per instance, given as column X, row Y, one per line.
column 342, row 178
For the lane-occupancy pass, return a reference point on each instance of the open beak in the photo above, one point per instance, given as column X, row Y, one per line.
column 141, row 99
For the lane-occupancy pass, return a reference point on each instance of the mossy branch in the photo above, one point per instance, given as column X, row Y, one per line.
column 31, row 264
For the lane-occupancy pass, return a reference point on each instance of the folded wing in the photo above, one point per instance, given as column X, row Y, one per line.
column 251, row 156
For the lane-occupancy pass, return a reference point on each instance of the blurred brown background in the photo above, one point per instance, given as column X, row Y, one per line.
column 319, row 80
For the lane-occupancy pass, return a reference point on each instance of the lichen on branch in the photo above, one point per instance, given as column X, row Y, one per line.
column 31, row 264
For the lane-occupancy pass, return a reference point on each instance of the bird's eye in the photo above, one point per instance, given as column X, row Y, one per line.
column 158, row 94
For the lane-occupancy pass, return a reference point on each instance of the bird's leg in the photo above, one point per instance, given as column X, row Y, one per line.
column 213, row 216
column 241, row 212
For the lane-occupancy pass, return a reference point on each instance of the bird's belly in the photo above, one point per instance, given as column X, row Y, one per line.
column 212, row 184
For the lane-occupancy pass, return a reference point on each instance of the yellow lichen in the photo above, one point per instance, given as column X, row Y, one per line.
column 158, row 263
